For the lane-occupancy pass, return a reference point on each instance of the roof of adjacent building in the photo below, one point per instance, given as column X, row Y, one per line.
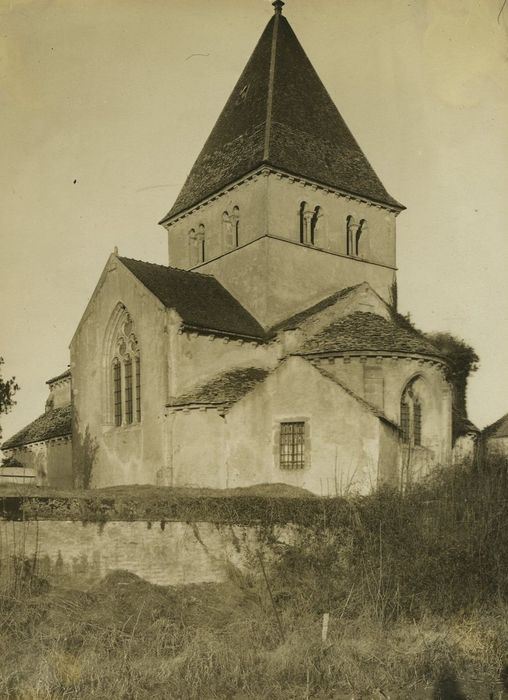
column 366, row 404
column 281, row 115
column 461, row 425
column 223, row 389
column 499, row 429
column 52, row 424
column 294, row 321
column 200, row 300
column 64, row 375
column 366, row 331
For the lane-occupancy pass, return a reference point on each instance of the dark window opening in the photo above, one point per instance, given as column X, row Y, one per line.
column 117, row 392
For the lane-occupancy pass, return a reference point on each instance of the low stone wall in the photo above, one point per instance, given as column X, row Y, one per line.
column 74, row 554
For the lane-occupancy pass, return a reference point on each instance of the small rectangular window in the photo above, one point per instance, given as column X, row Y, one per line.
column 292, row 445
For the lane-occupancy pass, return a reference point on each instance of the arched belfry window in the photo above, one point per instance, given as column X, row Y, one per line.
column 350, row 234
column 314, row 225
column 309, row 220
column 125, row 369
column 235, row 221
column 412, row 413
column 201, row 241
column 362, row 227
column 227, row 231
column 193, row 248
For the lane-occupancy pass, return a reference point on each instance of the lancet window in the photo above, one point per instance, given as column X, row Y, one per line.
column 126, row 374
column 411, row 415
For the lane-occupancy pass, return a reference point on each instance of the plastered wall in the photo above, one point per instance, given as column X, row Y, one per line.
column 131, row 453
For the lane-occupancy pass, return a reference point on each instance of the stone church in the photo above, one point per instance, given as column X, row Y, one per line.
column 269, row 349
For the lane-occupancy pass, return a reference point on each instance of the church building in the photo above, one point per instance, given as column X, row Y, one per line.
column 269, row 349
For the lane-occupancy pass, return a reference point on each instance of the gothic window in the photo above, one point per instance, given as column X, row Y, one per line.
column 235, row 220
column 138, row 389
column 117, row 391
column 292, row 445
column 128, row 390
column 411, row 413
column 404, row 420
column 126, row 373
column 417, row 422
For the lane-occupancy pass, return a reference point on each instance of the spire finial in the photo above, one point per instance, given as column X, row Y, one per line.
column 278, row 5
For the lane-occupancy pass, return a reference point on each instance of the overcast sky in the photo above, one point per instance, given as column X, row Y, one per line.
column 103, row 110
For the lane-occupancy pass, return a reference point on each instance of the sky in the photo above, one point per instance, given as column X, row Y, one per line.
column 105, row 104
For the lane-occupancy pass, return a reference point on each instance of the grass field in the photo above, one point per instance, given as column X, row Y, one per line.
column 415, row 586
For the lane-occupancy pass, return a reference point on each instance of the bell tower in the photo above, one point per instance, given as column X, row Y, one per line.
column 281, row 205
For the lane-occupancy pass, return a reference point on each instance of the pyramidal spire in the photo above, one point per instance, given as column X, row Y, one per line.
column 280, row 115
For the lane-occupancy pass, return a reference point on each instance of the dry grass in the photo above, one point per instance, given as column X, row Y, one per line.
column 416, row 587
column 129, row 639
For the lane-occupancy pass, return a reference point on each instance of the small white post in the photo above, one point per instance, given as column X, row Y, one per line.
column 324, row 630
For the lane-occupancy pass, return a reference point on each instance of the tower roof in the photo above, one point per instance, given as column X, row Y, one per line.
column 281, row 115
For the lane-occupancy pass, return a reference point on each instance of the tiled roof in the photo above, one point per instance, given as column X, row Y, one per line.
column 499, row 429
column 52, row 424
column 223, row 389
column 365, row 331
column 280, row 114
column 64, row 375
column 297, row 319
column 461, row 425
column 201, row 300
column 370, row 407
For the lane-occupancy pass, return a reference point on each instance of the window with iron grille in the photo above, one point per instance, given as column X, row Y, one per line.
column 117, row 391
column 128, row 390
column 292, row 445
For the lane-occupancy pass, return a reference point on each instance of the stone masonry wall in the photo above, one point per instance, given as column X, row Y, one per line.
column 78, row 555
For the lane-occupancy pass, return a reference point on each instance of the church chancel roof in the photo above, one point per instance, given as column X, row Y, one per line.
column 281, row 115
column 201, row 301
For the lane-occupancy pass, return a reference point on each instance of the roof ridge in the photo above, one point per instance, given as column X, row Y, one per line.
column 314, row 309
column 168, row 267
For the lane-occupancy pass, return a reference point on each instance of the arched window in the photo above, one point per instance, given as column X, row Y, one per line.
column 201, row 243
column 411, row 413
column 360, row 229
column 227, row 231
column 235, row 220
column 117, row 391
column 193, row 248
column 303, row 224
column 126, row 371
column 350, row 228
column 314, row 225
